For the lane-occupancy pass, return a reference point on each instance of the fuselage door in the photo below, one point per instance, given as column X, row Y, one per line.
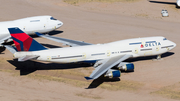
column 108, row 53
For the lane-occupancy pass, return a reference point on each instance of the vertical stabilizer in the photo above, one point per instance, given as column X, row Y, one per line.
column 23, row 41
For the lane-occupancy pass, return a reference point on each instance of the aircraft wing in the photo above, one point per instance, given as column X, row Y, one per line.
column 106, row 65
column 28, row 57
column 69, row 42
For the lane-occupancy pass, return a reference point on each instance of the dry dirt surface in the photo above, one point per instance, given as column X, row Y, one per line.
column 94, row 22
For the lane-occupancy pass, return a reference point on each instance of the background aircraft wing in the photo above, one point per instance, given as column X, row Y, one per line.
column 106, row 65
column 69, row 42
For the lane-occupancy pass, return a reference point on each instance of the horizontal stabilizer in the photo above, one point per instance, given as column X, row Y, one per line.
column 88, row 78
column 69, row 42
column 10, row 48
column 28, row 57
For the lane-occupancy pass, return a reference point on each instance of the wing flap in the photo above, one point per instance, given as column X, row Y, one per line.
column 106, row 65
column 69, row 42
column 28, row 57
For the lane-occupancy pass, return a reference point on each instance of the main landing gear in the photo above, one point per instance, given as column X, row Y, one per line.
column 158, row 57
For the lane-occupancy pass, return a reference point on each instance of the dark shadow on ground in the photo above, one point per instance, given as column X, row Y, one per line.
column 50, row 46
column 162, row 2
column 123, row 71
column 55, row 32
column 28, row 67
column 2, row 49
column 8, row 43
column 149, row 57
column 50, row 33
column 97, row 82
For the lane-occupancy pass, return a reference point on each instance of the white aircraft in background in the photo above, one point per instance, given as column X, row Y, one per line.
column 108, row 58
column 171, row 3
column 29, row 25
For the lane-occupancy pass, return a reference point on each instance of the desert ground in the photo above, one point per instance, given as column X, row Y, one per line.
column 94, row 21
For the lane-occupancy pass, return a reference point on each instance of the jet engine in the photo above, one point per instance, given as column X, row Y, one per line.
column 126, row 66
column 178, row 3
column 112, row 73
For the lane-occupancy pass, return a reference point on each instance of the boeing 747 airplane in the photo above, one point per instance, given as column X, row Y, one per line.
column 29, row 25
column 108, row 58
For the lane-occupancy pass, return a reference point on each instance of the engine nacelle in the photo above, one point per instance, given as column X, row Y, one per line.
column 126, row 66
column 112, row 73
column 178, row 3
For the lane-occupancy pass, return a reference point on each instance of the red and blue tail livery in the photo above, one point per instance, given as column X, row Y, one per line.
column 23, row 41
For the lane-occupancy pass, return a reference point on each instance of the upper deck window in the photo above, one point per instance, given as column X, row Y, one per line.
column 164, row 39
column 34, row 20
column 53, row 18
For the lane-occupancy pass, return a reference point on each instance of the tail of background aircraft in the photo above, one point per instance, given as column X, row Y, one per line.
column 23, row 41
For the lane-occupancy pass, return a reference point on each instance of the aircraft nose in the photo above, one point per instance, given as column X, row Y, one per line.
column 174, row 44
column 59, row 24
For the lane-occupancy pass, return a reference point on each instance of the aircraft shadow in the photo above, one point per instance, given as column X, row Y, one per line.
column 2, row 49
column 162, row 2
column 149, row 57
column 50, row 33
column 50, row 46
column 28, row 67
column 97, row 82
column 55, row 32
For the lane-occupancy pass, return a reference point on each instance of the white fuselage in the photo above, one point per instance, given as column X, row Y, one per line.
column 137, row 47
column 29, row 25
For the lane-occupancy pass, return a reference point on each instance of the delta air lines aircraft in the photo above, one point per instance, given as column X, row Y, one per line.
column 108, row 58
column 29, row 25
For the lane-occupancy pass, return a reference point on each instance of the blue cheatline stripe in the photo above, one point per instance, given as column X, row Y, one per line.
column 35, row 46
column 20, row 42
column 15, row 30
column 135, row 43
column 150, row 41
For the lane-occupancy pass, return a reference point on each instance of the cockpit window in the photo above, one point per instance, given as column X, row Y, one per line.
column 53, row 18
column 164, row 39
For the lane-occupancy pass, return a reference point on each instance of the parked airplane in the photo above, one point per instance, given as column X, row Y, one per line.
column 29, row 25
column 108, row 58
column 177, row 3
